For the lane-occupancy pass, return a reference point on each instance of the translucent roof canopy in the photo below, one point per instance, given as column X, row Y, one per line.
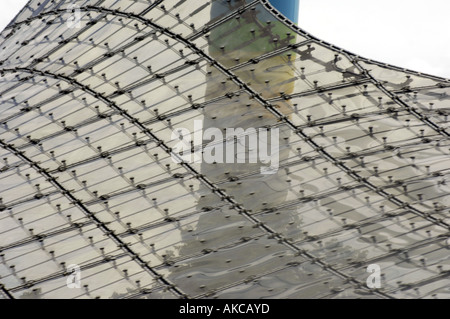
column 91, row 92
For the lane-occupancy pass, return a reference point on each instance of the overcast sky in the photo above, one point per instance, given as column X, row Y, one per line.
column 413, row 34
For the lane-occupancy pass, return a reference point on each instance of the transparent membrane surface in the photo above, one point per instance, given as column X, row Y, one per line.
column 91, row 95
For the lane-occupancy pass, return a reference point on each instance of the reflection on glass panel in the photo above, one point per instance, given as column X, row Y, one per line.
column 172, row 149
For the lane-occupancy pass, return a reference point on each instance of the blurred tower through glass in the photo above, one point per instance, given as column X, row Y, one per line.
column 236, row 41
column 290, row 8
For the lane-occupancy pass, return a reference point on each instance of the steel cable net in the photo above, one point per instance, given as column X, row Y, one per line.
column 91, row 93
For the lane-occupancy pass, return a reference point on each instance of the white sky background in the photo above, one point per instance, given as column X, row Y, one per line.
column 413, row 34
column 9, row 9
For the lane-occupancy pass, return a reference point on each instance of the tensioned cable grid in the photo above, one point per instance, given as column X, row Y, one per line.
column 87, row 176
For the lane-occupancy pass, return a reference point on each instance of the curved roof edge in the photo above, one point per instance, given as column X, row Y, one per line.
column 281, row 17
column 333, row 47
